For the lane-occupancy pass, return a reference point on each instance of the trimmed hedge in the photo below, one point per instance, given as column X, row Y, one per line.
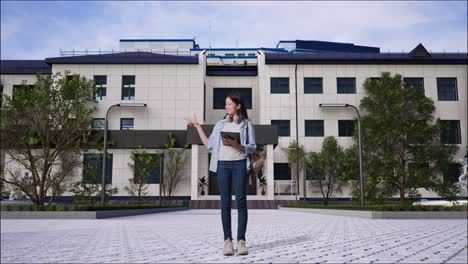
column 385, row 207
column 29, row 207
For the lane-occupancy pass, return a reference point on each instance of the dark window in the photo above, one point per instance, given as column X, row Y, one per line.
column 126, row 123
column 154, row 170
column 417, row 83
column 279, row 85
column 98, row 123
column 128, row 87
column 92, row 168
column 314, row 175
column 314, row 128
column 229, row 55
column 283, row 127
column 251, row 54
column 313, row 85
column 241, row 54
column 18, row 87
column 345, row 128
column 452, row 172
column 220, row 94
column 346, row 85
column 451, row 132
column 282, row 171
column 101, row 82
column 447, row 89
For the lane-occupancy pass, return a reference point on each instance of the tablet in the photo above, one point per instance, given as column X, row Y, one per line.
column 232, row 135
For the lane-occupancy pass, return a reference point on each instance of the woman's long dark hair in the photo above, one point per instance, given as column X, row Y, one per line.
column 242, row 111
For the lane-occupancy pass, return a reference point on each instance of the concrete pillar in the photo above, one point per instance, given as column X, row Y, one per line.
column 269, row 163
column 194, row 173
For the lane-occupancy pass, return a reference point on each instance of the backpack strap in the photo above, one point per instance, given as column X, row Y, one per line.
column 247, row 136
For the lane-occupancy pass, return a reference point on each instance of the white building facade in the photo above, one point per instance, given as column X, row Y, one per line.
column 282, row 87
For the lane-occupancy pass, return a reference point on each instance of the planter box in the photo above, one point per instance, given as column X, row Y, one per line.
column 83, row 214
column 384, row 214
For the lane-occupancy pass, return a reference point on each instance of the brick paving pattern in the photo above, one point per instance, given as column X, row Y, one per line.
column 273, row 236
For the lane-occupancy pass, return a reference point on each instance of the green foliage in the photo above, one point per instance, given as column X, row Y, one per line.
column 143, row 162
column 43, row 128
column 174, row 162
column 88, row 189
column 296, row 158
column 296, row 153
column 398, row 129
column 326, row 167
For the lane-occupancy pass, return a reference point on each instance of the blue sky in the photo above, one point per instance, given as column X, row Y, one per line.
column 36, row 30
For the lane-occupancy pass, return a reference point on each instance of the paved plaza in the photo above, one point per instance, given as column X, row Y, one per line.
column 273, row 236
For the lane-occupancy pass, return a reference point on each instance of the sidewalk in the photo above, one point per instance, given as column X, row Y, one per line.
column 273, row 236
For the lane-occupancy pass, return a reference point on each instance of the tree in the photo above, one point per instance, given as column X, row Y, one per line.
column 143, row 164
column 401, row 141
column 174, row 162
column 326, row 166
column 43, row 129
column 296, row 159
column 374, row 192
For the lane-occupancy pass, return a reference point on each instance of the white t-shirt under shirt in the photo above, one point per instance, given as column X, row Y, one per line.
column 227, row 152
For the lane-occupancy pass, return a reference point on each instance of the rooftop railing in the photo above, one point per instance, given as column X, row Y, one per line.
column 176, row 52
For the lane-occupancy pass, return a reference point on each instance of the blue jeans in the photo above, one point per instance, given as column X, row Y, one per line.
column 227, row 172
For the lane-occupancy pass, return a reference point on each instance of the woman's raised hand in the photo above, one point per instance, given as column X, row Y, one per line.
column 192, row 121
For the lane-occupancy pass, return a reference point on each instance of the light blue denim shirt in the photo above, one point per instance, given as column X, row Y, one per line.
column 214, row 143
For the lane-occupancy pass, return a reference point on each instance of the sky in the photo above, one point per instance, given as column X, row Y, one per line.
column 40, row 29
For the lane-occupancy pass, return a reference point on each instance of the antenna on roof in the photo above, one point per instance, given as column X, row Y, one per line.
column 209, row 32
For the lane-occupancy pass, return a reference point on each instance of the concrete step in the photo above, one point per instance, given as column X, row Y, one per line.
column 216, row 204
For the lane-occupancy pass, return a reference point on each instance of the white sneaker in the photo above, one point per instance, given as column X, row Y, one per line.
column 228, row 248
column 241, row 248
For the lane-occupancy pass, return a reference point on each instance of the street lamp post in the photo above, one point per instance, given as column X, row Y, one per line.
column 361, row 174
column 104, row 153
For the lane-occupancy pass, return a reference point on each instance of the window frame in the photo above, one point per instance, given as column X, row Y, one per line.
column 310, row 90
column 412, row 79
column 282, row 126
column 280, row 170
column 97, row 159
column 278, row 85
column 307, row 124
column 99, row 127
column 455, row 139
column 122, row 127
column 342, row 130
column 444, row 95
column 101, row 88
column 128, row 88
column 340, row 89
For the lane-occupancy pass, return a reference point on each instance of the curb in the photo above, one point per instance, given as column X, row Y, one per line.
column 83, row 214
column 384, row 214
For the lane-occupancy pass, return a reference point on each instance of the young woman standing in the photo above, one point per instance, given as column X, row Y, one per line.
column 230, row 161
